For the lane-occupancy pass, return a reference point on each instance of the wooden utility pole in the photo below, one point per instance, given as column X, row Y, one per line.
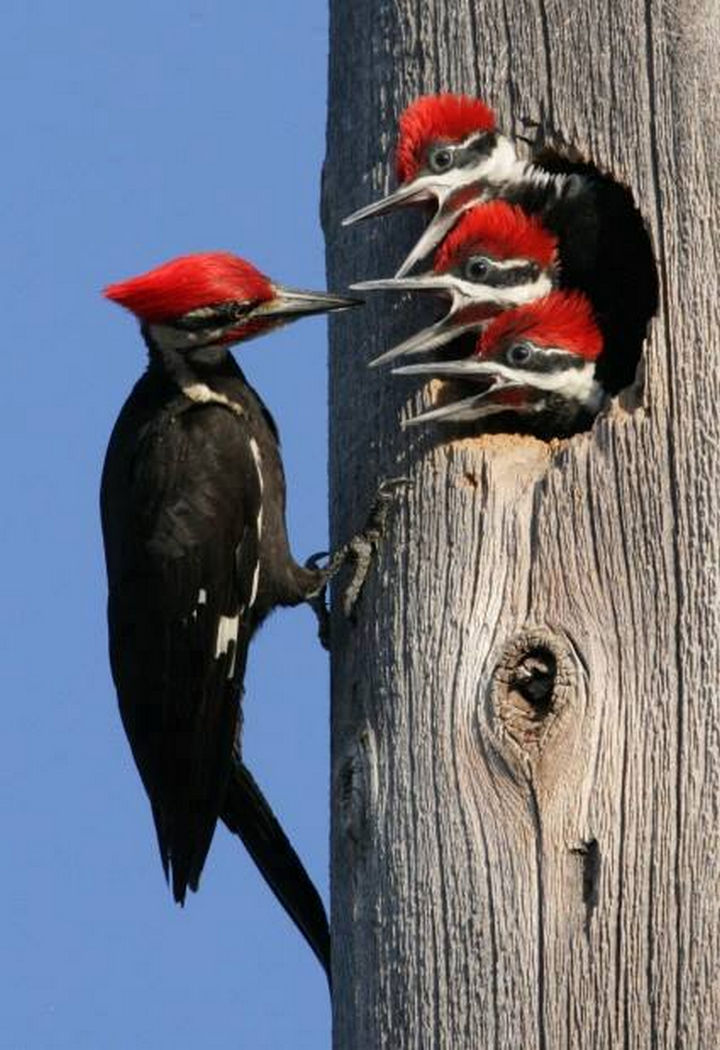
column 510, row 873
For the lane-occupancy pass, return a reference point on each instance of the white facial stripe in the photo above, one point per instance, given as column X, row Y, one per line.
column 474, row 136
column 507, row 264
column 200, row 313
column 577, row 383
column 466, row 293
column 502, row 165
column 528, row 293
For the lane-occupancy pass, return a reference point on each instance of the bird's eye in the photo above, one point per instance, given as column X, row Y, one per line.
column 441, row 159
column 477, row 268
column 518, row 353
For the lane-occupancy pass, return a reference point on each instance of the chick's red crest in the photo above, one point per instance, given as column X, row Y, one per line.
column 188, row 283
column 435, row 118
column 500, row 231
column 562, row 320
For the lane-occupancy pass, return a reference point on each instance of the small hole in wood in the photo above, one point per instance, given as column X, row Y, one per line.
column 532, row 685
column 534, row 679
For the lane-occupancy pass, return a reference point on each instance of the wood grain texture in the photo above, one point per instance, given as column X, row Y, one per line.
column 499, row 879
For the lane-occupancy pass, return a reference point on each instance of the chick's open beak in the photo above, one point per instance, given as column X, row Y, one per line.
column 466, row 313
column 467, row 409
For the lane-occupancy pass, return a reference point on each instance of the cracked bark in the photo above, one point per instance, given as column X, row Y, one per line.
column 507, row 874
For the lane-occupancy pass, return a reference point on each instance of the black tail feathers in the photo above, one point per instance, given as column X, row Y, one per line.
column 247, row 814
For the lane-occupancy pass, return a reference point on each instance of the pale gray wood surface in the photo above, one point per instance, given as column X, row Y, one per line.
column 500, row 880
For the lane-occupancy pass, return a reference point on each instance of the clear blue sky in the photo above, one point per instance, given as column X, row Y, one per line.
column 132, row 133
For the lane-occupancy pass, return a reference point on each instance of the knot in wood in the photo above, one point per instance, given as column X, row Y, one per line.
column 531, row 687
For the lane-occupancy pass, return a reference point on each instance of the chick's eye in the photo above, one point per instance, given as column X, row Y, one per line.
column 518, row 353
column 477, row 268
column 441, row 159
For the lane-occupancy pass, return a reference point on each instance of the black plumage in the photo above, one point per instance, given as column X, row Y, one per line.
column 181, row 495
column 605, row 252
column 197, row 552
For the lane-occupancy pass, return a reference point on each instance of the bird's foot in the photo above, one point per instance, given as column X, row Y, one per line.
column 359, row 552
column 361, row 549
column 317, row 600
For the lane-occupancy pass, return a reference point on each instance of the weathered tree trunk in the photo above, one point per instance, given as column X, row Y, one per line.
column 505, row 875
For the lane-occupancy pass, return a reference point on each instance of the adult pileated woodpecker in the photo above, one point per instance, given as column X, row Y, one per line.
column 450, row 152
column 193, row 513
column 536, row 361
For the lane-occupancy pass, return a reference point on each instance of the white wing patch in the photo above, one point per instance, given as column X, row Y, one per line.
column 255, row 449
column 254, row 588
column 227, row 633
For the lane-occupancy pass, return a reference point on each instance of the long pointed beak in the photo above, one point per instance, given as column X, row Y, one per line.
column 430, row 282
column 436, row 335
column 466, row 410
column 466, row 313
column 289, row 303
column 438, row 227
column 428, row 338
column 465, row 368
column 415, row 192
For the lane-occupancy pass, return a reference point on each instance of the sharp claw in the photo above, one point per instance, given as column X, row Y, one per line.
column 360, row 550
column 312, row 562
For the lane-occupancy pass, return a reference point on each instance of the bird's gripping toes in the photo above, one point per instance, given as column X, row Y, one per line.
column 358, row 553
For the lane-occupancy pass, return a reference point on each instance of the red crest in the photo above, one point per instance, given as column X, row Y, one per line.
column 437, row 118
column 500, row 231
column 188, row 283
column 564, row 320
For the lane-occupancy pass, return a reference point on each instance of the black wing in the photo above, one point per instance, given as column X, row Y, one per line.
column 181, row 502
